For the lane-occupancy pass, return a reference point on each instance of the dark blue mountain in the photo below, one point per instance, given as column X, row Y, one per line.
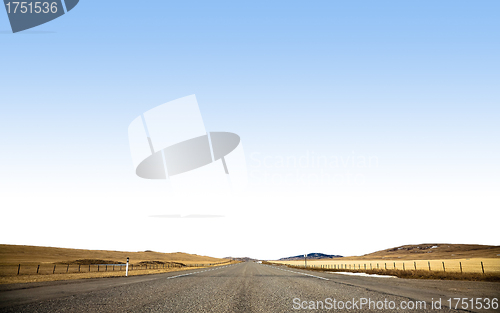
column 311, row 256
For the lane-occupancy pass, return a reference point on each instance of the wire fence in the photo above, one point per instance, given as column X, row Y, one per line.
column 47, row 268
column 427, row 265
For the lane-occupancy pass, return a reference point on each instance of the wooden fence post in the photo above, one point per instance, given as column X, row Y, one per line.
column 415, row 264
column 38, row 267
column 18, row 269
column 394, row 265
column 482, row 267
column 461, row 268
column 429, row 263
column 54, row 270
column 403, row 266
column 385, row 265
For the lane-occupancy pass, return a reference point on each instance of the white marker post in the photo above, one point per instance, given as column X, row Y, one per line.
column 126, row 269
column 305, row 260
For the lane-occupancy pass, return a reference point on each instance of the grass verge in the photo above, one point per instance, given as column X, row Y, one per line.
column 71, row 276
column 414, row 274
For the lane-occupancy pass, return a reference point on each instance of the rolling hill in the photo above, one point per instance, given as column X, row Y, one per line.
column 425, row 251
column 14, row 254
column 311, row 256
column 435, row 251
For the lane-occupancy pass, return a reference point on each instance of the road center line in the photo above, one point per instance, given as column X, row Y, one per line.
column 299, row 273
column 211, row 269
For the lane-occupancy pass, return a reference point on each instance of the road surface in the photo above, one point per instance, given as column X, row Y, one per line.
column 244, row 287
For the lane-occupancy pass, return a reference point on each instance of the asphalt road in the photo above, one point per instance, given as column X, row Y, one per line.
column 244, row 287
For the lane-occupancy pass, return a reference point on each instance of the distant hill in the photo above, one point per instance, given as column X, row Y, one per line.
column 311, row 256
column 434, row 251
column 14, row 254
column 241, row 259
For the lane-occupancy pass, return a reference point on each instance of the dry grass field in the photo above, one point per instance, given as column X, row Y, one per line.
column 49, row 264
column 457, row 259
column 451, row 265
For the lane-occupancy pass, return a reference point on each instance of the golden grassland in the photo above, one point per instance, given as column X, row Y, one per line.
column 66, row 263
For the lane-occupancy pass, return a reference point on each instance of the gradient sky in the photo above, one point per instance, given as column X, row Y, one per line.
column 316, row 90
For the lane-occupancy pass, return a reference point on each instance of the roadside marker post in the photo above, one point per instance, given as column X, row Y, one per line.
column 126, row 268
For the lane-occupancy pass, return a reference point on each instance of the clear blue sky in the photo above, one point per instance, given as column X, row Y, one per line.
column 412, row 85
